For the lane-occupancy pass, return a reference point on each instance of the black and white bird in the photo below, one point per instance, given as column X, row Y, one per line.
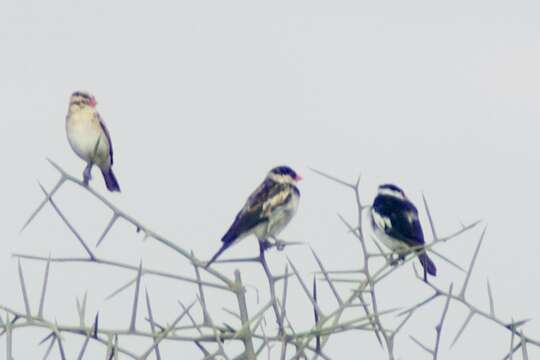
column 396, row 224
column 267, row 210
column 89, row 137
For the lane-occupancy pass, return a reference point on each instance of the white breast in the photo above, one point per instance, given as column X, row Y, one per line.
column 282, row 216
column 84, row 132
column 390, row 242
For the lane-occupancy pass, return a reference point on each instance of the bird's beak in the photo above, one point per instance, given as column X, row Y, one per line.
column 93, row 102
column 298, row 178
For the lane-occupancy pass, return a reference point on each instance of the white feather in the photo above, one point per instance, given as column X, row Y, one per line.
column 84, row 132
column 390, row 192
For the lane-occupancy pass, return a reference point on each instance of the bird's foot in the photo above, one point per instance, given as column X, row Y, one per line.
column 87, row 174
column 279, row 244
column 266, row 244
column 394, row 261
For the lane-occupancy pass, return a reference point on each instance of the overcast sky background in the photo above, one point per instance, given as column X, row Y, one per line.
column 203, row 98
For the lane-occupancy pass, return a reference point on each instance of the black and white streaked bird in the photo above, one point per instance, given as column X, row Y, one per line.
column 89, row 137
column 267, row 210
column 396, row 224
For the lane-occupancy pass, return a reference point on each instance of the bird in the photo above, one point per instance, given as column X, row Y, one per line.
column 396, row 224
column 267, row 210
column 89, row 138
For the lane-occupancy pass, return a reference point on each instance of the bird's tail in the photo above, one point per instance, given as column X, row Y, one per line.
column 230, row 236
column 110, row 180
column 427, row 264
column 219, row 252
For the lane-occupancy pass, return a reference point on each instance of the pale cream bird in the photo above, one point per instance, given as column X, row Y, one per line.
column 89, row 137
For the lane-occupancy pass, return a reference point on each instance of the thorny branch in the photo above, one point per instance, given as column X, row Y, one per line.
column 356, row 310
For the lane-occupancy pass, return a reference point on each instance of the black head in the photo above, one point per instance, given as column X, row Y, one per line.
column 284, row 174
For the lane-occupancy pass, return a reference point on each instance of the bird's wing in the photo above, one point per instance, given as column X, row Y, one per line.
column 262, row 202
column 400, row 221
column 107, row 135
column 276, row 199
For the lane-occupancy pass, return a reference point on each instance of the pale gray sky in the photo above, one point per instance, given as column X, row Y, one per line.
column 202, row 98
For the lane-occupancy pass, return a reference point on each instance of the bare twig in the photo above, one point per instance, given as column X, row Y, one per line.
column 254, row 332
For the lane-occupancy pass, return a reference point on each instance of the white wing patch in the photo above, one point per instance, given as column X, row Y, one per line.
column 411, row 216
column 382, row 222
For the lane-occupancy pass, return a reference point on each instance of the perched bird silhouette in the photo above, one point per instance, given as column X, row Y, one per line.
column 267, row 211
column 89, row 138
column 396, row 224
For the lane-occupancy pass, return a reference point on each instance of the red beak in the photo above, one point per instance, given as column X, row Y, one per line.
column 298, row 178
column 93, row 102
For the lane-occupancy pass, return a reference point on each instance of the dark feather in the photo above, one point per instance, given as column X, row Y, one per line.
column 223, row 247
column 263, row 201
column 427, row 264
column 405, row 225
column 266, row 199
column 404, row 219
column 110, row 180
column 107, row 135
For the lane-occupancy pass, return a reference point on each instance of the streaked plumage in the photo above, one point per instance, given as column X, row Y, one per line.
column 267, row 211
column 396, row 224
column 89, row 137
